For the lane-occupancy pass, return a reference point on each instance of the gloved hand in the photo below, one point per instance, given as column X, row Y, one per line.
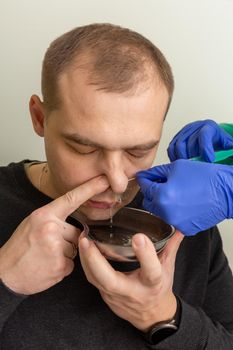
column 199, row 138
column 192, row 196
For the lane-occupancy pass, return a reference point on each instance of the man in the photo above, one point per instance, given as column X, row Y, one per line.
column 106, row 91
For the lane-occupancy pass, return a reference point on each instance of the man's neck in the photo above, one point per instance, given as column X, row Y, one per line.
column 38, row 175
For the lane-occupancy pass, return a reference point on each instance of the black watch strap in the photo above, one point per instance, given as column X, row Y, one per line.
column 164, row 329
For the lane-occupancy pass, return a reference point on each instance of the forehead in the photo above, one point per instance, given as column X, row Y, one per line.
column 128, row 114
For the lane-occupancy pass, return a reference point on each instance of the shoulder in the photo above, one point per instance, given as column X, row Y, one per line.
column 7, row 174
column 15, row 200
column 10, row 173
column 204, row 239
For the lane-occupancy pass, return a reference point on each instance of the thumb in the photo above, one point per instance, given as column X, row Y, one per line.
column 70, row 201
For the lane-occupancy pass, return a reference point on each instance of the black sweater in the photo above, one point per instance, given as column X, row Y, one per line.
column 72, row 315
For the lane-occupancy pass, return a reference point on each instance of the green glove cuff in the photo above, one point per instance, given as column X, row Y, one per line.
column 227, row 127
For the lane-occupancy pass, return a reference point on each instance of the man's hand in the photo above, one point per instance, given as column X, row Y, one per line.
column 142, row 297
column 39, row 253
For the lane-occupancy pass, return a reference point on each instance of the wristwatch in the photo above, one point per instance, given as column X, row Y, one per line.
column 164, row 329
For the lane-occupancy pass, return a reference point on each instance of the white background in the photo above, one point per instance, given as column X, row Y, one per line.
column 196, row 36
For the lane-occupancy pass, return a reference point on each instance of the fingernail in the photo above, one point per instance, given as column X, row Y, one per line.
column 139, row 240
column 85, row 243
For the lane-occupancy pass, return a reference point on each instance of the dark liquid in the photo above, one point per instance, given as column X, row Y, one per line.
column 114, row 234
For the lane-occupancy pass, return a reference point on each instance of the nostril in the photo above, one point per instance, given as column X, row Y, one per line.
column 118, row 198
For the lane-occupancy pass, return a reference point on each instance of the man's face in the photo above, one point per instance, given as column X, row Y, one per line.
column 97, row 132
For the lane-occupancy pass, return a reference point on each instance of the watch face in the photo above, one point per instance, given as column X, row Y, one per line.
column 162, row 332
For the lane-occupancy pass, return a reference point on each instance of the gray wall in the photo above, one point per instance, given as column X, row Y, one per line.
column 195, row 35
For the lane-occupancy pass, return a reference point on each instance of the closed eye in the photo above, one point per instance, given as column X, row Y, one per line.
column 82, row 149
column 86, row 153
column 137, row 155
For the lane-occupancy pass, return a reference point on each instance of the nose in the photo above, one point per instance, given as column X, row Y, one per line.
column 114, row 168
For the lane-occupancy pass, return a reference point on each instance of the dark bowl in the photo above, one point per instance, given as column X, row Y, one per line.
column 114, row 239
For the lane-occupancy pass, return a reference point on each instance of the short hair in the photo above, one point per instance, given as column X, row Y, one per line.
column 117, row 60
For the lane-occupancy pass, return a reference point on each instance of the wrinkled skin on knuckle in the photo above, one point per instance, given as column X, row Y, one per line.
column 71, row 199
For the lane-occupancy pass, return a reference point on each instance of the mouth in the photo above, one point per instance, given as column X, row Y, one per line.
column 101, row 205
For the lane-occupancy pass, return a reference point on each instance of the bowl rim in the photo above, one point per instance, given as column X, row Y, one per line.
column 89, row 235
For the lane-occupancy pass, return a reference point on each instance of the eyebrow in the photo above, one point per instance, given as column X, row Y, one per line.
column 86, row 142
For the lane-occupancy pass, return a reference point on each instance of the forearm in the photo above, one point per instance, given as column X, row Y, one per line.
column 197, row 331
column 205, row 289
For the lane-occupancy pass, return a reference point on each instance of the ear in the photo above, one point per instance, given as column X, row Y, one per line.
column 37, row 114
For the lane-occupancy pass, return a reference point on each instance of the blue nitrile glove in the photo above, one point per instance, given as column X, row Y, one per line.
column 192, row 196
column 199, row 138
